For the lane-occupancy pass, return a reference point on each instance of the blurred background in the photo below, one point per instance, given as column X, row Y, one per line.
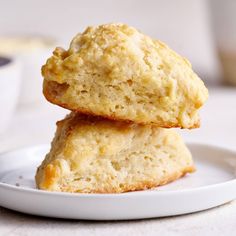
column 200, row 30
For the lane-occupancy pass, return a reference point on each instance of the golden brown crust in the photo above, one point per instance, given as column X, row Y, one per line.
column 50, row 175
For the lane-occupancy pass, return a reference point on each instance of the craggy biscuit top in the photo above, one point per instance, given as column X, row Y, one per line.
column 120, row 52
column 117, row 53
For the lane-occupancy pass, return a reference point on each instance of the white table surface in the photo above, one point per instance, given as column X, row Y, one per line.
column 35, row 124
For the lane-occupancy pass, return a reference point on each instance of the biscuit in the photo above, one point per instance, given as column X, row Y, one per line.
column 117, row 72
column 96, row 155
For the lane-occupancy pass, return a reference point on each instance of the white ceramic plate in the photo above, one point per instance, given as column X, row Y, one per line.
column 213, row 184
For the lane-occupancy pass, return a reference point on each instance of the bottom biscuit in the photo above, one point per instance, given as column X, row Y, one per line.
column 95, row 155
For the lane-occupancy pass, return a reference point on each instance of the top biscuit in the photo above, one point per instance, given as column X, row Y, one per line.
column 117, row 72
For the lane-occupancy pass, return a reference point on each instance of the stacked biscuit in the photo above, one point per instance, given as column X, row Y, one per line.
column 125, row 91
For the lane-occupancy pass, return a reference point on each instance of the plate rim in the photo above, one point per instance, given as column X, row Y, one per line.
column 148, row 192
